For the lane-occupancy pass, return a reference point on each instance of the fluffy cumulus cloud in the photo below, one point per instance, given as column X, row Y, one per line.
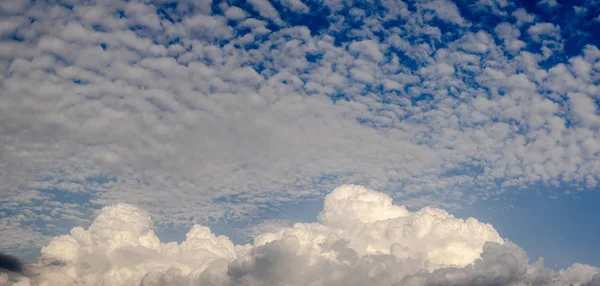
column 201, row 111
column 361, row 238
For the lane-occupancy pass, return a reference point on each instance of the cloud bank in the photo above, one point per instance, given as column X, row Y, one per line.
column 219, row 110
column 361, row 238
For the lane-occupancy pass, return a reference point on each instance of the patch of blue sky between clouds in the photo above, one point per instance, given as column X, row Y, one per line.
column 555, row 227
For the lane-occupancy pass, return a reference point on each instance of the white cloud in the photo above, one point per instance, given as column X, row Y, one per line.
column 445, row 11
column 203, row 6
column 367, row 48
column 497, row 7
column 523, row 16
column 544, row 29
column 584, row 109
column 296, row 6
column 266, row 10
column 581, row 68
column 219, row 117
column 548, row 4
column 207, row 26
column 510, row 35
column 144, row 15
column 235, row 13
column 479, row 43
column 388, row 246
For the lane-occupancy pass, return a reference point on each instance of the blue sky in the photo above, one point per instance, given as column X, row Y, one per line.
column 555, row 229
column 244, row 115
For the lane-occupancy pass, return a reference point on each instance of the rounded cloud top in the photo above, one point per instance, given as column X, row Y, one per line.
column 350, row 202
column 389, row 245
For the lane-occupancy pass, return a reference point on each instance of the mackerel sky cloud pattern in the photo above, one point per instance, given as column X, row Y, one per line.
column 202, row 112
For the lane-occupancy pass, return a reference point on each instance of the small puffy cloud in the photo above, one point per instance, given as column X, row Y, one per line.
column 203, row 6
column 296, row 6
column 510, row 36
column 584, row 109
column 266, row 10
column 143, row 15
column 540, row 30
column 445, row 11
column 367, row 48
column 235, row 13
column 580, row 10
column 548, row 4
column 362, row 75
column 207, row 27
column 361, row 238
column 437, row 70
column 479, row 43
column 523, row 16
column 497, row 7
column 579, row 274
column 581, row 68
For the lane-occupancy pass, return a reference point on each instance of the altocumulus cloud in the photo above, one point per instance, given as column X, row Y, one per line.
column 361, row 238
column 199, row 111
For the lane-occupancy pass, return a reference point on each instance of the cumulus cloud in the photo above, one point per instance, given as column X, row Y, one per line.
column 523, row 16
column 361, row 238
column 544, row 29
column 548, row 4
column 265, row 9
column 497, row 7
column 510, row 35
column 235, row 13
column 296, row 5
column 445, row 11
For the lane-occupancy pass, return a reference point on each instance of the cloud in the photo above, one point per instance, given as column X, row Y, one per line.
column 580, row 10
column 235, row 13
column 523, row 16
column 14, row 6
column 510, row 35
column 544, row 29
column 296, row 6
column 361, row 238
column 367, row 48
column 445, row 11
column 197, row 112
column 266, row 10
column 498, row 7
column 10, row 263
column 548, row 4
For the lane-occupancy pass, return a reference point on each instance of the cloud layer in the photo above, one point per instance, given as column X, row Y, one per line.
column 361, row 239
column 221, row 110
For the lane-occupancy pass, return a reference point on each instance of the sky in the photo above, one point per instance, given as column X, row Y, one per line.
column 211, row 139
